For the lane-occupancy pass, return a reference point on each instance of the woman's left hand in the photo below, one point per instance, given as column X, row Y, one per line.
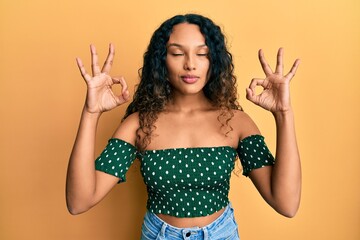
column 275, row 96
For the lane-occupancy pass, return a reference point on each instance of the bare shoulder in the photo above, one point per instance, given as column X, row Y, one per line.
column 243, row 124
column 127, row 129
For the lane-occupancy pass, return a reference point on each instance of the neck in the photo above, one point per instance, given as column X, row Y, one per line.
column 188, row 103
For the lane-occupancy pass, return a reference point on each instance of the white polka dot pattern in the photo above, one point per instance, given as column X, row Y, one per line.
column 185, row 182
column 116, row 158
column 254, row 153
column 188, row 182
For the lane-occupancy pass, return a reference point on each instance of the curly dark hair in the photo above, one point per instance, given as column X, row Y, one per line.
column 154, row 91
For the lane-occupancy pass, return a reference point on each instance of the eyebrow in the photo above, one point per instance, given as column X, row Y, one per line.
column 180, row 46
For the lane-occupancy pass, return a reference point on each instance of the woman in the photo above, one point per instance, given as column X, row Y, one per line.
column 186, row 127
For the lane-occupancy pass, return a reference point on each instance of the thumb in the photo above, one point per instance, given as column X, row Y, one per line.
column 126, row 95
column 250, row 95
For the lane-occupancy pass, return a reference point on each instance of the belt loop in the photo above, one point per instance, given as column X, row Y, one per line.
column 206, row 233
column 162, row 231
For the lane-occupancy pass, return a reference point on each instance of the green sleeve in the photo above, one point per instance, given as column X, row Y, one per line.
column 116, row 158
column 254, row 153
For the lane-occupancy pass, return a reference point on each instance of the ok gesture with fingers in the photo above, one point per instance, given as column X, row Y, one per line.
column 275, row 96
column 100, row 97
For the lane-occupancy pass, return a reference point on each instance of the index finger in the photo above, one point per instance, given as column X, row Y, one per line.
column 265, row 66
column 109, row 59
column 94, row 61
column 293, row 69
column 85, row 75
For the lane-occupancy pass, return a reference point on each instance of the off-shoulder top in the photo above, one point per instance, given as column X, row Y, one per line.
column 185, row 182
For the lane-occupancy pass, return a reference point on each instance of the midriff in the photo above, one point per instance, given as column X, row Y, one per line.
column 190, row 222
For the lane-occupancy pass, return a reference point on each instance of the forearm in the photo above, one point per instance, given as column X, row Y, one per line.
column 286, row 174
column 81, row 180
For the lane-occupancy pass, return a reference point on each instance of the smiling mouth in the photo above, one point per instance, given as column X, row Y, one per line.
column 189, row 78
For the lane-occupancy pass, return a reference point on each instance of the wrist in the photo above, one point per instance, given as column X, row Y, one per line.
column 283, row 114
column 87, row 113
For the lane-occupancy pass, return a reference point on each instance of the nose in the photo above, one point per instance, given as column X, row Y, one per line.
column 189, row 63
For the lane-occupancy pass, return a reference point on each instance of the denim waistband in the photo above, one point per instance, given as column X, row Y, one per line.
column 200, row 232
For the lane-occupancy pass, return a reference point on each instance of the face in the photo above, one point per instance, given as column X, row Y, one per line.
column 187, row 59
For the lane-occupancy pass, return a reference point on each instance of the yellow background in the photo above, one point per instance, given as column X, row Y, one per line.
column 42, row 94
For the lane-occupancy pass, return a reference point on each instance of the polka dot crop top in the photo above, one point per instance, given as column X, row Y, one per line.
column 185, row 182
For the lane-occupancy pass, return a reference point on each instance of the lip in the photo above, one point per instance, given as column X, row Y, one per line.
column 190, row 79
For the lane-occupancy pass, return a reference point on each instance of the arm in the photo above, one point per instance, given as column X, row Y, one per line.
column 84, row 186
column 279, row 185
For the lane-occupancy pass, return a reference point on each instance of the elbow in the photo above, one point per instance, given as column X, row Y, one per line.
column 73, row 211
column 288, row 210
column 78, row 203
column 287, row 205
column 289, row 213
column 76, row 210
column 76, row 207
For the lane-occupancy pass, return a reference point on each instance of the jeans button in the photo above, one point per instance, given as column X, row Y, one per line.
column 188, row 234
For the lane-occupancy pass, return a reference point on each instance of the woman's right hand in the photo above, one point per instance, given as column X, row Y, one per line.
column 100, row 97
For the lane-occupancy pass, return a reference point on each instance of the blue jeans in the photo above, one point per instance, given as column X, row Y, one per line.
column 224, row 227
